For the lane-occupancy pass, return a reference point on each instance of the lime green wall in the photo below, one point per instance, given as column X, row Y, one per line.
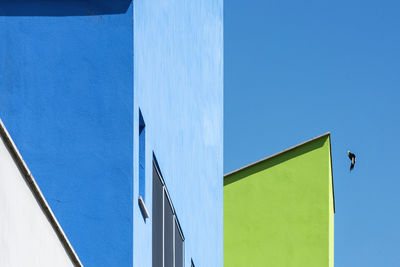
column 279, row 212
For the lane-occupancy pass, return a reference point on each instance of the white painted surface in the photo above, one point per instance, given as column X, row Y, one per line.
column 26, row 236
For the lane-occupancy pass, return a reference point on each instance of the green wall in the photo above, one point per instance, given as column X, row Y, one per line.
column 279, row 212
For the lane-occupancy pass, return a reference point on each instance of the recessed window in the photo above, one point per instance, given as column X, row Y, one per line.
column 157, row 220
column 168, row 233
column 168, row 239
column 142, row 157
column 179, row 248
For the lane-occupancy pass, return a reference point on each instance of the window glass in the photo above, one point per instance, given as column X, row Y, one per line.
column 178, row 247
column 157, row 217
column 168, row 234
column 168, row 241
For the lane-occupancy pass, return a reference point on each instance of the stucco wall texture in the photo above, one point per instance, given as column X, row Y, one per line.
column 66, row 96
column 26, row 236
column 178, row 81
column 279, row 212
column 73, row 76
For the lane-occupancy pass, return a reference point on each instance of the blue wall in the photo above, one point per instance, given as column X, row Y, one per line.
column 70, row 93
column 178, row 81
column 66, row 96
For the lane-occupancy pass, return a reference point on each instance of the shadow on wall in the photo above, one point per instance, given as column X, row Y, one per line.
column 278, row 159
column 62, row 7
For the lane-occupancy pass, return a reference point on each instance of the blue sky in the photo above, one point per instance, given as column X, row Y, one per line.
column 297, row 69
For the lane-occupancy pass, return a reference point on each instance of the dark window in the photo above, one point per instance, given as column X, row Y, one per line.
column 157, row 213
column 179, row 253
column 168, row 233
column 142, row 157
column 168, row 240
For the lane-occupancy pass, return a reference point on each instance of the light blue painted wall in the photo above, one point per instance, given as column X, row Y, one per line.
column 178, row 85
column 70, row 93
column 66, row 96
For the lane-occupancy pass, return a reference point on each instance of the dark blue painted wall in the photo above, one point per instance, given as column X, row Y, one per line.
column 66, row 96
column 70, row 93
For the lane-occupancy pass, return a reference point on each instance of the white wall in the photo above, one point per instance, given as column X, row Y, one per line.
column 26, row 236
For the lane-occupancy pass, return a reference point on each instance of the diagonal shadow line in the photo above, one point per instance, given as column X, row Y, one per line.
column 275, row 160
column 63, row 8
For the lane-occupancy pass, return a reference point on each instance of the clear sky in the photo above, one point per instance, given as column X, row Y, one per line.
column 297, row 69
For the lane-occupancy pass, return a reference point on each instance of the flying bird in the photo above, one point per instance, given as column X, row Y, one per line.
column 352, row 157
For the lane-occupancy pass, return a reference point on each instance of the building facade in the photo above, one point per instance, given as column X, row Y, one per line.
column 115, row 106
column 279, row 211
column 30, row 233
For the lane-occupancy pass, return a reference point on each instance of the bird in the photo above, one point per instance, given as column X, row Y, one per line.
column 352, row 157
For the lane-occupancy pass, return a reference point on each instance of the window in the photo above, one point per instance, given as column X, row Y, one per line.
column 168, row 239
column 142, row 157
column 179, row 249
column 142, row 167
column 168, row 233
column 158, row 224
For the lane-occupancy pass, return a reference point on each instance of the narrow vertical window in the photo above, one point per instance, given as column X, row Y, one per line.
column 179, row 253
column 168, row 233
column 142, row 157
column 158, row 224
column 168, row 239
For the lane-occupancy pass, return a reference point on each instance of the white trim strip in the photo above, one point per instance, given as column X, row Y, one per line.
column 143, row 208
column 38, row 194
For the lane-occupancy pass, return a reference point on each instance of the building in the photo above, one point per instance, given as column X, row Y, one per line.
column 116, row 107
column 30, row 233
column 279, row 211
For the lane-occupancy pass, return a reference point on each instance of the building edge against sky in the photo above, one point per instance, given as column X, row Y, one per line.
column 281, row 209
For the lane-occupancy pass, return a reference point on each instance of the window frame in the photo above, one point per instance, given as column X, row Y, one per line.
column 175, row 222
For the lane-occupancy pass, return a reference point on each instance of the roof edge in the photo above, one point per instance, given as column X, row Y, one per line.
column 327, row 134
column 277, row 154
column 38, row 194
